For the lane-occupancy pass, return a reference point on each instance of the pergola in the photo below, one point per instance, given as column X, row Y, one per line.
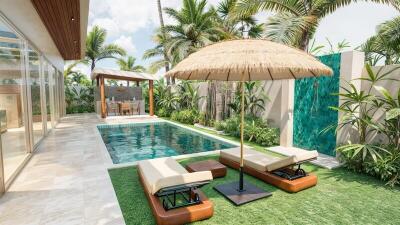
column 99, row 74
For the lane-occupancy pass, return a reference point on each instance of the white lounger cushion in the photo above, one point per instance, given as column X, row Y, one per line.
column 166, row 172
column 263, row 162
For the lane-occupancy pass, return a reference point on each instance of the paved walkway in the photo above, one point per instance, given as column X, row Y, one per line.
column 65, row 182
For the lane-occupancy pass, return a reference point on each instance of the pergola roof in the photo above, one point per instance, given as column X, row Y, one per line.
column 121, row 75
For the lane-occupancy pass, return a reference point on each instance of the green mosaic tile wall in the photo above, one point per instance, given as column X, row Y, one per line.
column 313, row 96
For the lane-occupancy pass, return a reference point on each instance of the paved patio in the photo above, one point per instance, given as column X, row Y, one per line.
column 65, row 182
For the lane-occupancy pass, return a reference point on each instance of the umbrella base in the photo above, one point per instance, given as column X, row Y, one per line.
column 249, row 194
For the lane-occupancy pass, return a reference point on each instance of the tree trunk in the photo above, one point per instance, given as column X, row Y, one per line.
column 160, row 16
column 304, row 41
column 92, row 68
column 388, row 60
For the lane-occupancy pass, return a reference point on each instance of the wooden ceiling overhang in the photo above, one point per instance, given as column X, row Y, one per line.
column 62, row 20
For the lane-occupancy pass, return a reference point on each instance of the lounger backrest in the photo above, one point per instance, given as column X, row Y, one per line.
column 176, row 180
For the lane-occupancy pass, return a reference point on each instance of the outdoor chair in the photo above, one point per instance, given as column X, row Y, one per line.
column 112, row 107
column 173, row 192
column 285, row 173
column 126, row 108
column 135, row 108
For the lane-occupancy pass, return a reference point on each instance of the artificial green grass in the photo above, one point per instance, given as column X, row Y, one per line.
column 341, row 197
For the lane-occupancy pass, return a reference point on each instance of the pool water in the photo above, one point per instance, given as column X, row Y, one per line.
column 134, row 142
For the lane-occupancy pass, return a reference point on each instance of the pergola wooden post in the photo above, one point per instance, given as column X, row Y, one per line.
column 102, row 98
column 151, row 98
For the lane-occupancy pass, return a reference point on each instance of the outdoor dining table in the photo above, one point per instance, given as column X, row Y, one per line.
column 131, row 104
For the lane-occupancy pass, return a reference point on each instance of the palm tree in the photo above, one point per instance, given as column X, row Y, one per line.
column 158, row 52
column 96, row 49
column 70, row 68
column 237, row 26
column 385, row 44
column 296, row 21
column 129, row 65
column 164, row 52
column 195, row 27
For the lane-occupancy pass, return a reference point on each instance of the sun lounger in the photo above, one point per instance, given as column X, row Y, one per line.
column 173, row 192
column 284, row 173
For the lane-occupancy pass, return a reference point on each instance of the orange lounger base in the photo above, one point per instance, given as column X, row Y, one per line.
column 291, row 186
column 178, row 216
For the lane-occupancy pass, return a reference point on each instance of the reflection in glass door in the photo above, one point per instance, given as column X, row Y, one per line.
column 35, row 81
column 51, row 85
column 46, row 76
column 12, row 101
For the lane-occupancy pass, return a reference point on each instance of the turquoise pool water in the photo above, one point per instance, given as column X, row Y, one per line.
column 133, row 142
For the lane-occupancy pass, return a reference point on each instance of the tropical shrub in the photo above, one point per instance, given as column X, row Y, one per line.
column 189, row 95
column 203, row 120
column 162, row 113
column 254, row 98
column 79, row 92
column 175, row 116
column 256, row 130
column 79, row 99
column 386, row 168
column 219, row 125
column 185, row 116
column 232, row 126
column 369, row 154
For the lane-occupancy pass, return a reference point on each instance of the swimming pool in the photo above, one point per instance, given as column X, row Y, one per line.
column 134, row 142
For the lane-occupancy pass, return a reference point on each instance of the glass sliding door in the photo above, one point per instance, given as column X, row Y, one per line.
column 56, row 94
column 46, row 77
column 52, row 95
column 14, row 140
column 35, row 91
column 61, row 93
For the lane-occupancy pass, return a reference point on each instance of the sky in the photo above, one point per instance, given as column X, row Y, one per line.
column 131, row 24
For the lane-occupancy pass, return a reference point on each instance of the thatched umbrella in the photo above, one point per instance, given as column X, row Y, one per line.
column 248, row 60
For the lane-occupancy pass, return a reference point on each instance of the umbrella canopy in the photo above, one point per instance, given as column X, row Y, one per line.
column 245, row 60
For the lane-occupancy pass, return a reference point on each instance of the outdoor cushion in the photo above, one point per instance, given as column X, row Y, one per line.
column 166, row 172
column 304, row 155
column 263, row 162
column 252, row 158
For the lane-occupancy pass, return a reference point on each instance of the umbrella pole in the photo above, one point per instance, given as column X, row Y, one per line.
column 241, row 139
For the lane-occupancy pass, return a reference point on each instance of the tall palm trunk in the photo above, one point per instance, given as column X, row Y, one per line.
column 93, row 65
column 160, row 16
column 304, row 41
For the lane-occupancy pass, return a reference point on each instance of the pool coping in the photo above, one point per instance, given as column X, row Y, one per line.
column 111, row 165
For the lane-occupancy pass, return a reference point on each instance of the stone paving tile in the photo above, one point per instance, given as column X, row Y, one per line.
column 65, row 182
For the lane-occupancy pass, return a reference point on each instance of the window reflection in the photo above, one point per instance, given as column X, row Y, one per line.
column 35, row 80
column 12, row 91
column 46, row 76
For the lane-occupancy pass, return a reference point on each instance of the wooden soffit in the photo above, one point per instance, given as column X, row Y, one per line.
column 62, row 20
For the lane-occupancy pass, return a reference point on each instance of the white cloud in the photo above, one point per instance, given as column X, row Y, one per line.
column 112, row 28
column 127, row 16
column 126, row 43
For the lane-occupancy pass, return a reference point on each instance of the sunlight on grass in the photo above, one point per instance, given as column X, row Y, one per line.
column 341, row 197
